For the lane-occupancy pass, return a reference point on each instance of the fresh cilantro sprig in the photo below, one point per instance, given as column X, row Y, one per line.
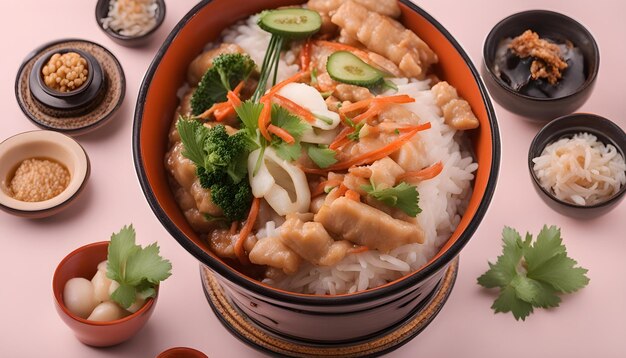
column 531, row 274
column 321, row 155
column 293, row 125
column 402, row 196
column 138, row 270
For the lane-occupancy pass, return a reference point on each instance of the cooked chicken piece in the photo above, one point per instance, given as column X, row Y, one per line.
column 384, row 173
column 222, row 243
column 316, row 203
column 311, row 241
column 181, row 168
column 203, row 200
column 396, row 115
column 272, row 252
column 367, row 226
column 204, row 61
column 188, row 205
column 184, row 109
column 344, row 38
column 333, row 103
column 351, row 93
column 383, row 64
column 386, row 37
column 384, row 7
column 457, row 113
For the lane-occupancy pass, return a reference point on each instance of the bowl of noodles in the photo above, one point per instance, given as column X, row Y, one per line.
column 326, row 178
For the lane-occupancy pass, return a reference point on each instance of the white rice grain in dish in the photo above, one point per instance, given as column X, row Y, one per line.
column 131, row 17
column 442, row 200
column 581, row 170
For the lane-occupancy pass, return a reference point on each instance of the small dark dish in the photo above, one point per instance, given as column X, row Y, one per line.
column 606, row 131
column 556, row 27
column 82, row 97
column 102, row 10
column 51, row 112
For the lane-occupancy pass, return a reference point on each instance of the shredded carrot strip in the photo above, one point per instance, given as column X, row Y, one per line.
column 374, row 110
column 358, row 250
column 223, row 112
column 341, row 190
column 314, row 171
column 281, row 133
column 282, row 84
column 305, row 56
column 424, row 174
column 295, row 108
column 224, row 109
column 233, row 227
column 401, row 98
column 246, row 230
column 340, row 139
column 379, row 153
column 343, row 47
column 321, row 187
column 353, row 195
column 265, row 118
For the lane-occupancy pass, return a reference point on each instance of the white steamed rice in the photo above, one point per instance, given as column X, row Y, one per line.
column 442, row 199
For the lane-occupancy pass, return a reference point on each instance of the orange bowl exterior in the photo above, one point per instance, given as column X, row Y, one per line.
column 305, row 318
column 83, row 262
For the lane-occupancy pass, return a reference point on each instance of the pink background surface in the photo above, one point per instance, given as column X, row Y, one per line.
column 588, row 323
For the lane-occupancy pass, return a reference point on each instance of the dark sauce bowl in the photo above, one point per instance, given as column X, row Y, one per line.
column 554, row 26
column 606, row 131
column 80, row 98
column 102, row 10
column 308, row 320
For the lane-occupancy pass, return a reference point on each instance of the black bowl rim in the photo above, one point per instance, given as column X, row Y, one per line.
column 535, row 145
column 591, row 77
column 78, row 130
column 159, row 21
column 297, row 299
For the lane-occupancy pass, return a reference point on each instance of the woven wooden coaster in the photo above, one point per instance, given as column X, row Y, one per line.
column 69, row 123
column 252, row 334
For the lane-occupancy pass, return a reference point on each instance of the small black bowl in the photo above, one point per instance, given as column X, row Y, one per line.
column 102, row 10
column 606, row 131
column 548, row 24
column 81, row 98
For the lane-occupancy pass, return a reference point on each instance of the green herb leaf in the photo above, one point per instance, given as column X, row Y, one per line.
column 403, row 196
column 288, row 152
column 291, row 123
column 134, row 268
column 322, row 156
column 121, row 247
column 193, row 135
column 354, row 136
column 124, row 295
column 532, row 274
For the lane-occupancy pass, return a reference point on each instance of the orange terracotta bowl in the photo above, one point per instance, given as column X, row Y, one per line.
column 306, row 319
column 83, row 262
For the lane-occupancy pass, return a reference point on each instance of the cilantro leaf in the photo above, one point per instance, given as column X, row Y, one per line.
column 560, row 273
column 532, row 274
column 286, row 151
column 508, row 301
column 291, row 123
column 136, row 269
column 403, row 196
column 147, row 264
column 322, row 156
column 193, row 135
column 121, row 247
column 124, row 295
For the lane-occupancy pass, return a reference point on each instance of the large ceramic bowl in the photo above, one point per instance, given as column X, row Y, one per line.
column 306, row 319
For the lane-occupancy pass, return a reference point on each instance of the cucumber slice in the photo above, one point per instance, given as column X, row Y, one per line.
column 345, row 67
column 291, row 23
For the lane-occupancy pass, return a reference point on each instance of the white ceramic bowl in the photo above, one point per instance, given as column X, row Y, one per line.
column 47, row 145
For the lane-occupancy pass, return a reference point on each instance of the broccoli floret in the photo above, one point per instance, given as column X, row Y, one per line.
column 226, row 72
column 233, row 199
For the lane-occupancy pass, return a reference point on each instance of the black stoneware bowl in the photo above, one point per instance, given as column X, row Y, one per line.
column 102, row 10
column 606, row 131
column 306, row 319
column 554, row 26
